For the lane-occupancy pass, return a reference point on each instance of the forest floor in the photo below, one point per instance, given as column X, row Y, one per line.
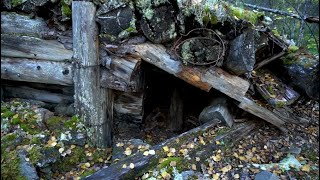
column 58, row 147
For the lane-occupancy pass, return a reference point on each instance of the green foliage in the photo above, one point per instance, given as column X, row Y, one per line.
column 10, row 166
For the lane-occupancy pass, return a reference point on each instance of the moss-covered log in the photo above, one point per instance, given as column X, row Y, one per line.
column 143, row 163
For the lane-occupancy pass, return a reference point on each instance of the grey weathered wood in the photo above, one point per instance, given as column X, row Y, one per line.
column 129, row 106
column 17, row 24
column 261, row 112
column 268, row 60
column 233, row 86
column 32, row 47
column 122, row 74
column 93, row 103
column 216, row 78
column 144, row 163
column 25, row 92
column 176, row 110
column 40, row 71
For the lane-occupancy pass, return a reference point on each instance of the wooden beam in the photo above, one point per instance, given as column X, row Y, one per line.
column 204, row 79
column 30, row 70
column 32, row 47
column 176, row 110
column 17, row 24
column 93, row 103
column 25, row 92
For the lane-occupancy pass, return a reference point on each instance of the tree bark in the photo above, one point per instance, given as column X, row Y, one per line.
column 93, row 103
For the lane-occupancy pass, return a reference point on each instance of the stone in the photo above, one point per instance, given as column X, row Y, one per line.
column 266, row 175
column 303, row 71
column 65, row 109
column 27, row 169
column 77, row 138
column 241, row 57
column 117, row 21
column 217, row 111
column 193, row 175
column 48, row 156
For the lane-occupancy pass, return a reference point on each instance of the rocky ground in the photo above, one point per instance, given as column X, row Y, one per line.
column 37, row 144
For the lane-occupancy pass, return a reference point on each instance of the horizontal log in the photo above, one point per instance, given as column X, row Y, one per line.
column 129, row 106
column 144, row 163
column 13, row 23
column 123, row 74
column 32, row 47
column 39, row 71
column 217, row 78
column 25, row 92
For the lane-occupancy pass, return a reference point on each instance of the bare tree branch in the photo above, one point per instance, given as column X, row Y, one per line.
column 311, row 19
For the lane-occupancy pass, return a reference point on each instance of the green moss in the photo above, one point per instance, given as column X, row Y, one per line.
column 35, row 154
column 35, row 140
column 10, row 166
column 5, row 113
column 293, row 49
column 108, row 36
column 15, row 3
column 65, row 9
column 71, row 123
column 280, row 103
column 222, row 131
column 87, row 172
column 8, row 141
column 70, row 161
column 270, row 90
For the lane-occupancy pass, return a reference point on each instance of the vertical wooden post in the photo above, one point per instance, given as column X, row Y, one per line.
column 176, row 110
column 92, row 103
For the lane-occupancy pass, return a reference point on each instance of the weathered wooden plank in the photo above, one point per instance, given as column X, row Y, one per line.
column 93, row 103
column 176, row 110
column 17, row 24
column 40, row 71
column 129, row 106
column 261, row 112
column 144, row 163
column 216, row 78
column 122, row 75
column 32, row 47
column 25, row 92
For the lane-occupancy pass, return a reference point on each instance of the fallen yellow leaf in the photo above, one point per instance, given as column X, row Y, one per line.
column 216, row 176
column 226, row 169
column 15, row 116
column 197, row 159
column 306, row 168
column 152, row 152
column 124, row 166
column 146, row 153
column 165, row 148
column 216, row 158
column 193, row 167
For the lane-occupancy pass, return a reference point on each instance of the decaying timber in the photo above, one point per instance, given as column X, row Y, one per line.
column 143, row 163
column 128, row 106
column 273, row 90
column 233, row 86
column 176, row 110
column 30, row 70
column 35, row 94
column 32, row 47
column 92, row 103
column 16, row 24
